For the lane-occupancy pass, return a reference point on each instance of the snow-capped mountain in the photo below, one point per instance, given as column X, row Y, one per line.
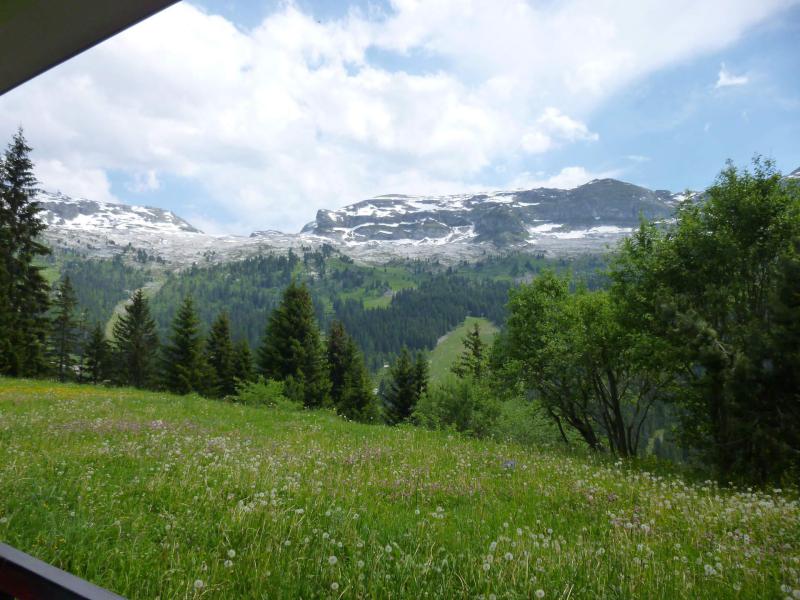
column 597, row 211
column 459, row 227
column 62, row 212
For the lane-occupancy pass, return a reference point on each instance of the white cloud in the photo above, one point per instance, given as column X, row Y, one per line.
column 725, row 78
column 276, row 122
column 566, row 179
column 91, row 183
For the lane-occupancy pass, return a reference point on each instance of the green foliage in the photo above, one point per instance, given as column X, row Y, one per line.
column 98, row 356
column 401, row 390
column 459, row 404
column 351, row 388
column 718, row 291
column 135, row 343
column 100, row 285
column 472, row 361
column 263, row 392
column 64, row 333
column 182, row 370
column 292, row 349
column 587, row 370
column 221, row 358
column 243, row 369
column 24, row 293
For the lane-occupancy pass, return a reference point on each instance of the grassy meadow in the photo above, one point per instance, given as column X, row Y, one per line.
column 154, row 495
column 451, row 345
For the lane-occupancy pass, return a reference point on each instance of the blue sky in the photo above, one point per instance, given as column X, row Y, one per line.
column 251, row 114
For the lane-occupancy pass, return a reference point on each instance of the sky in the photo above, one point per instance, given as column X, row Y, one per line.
column 242, row 115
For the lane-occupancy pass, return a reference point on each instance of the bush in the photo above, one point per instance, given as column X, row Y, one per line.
column 263, row 392
column 458, row 404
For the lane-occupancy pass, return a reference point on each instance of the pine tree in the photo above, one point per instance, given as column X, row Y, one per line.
column 182, row 365
column 64, row 331
column 97, row 355
column 220, row 358
column 292, row 349
column 421, row 372
column 400, row 392
column 136, row 342
column 242, row 362
column 472, row 360
column 351, row 388
column 24, row 295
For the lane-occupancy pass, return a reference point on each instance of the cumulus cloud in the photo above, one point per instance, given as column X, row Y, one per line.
column 295, row 114
column 566, row 179
column 725, row 78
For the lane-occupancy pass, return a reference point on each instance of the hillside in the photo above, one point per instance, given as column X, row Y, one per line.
column 450, row 345
column 156, row 495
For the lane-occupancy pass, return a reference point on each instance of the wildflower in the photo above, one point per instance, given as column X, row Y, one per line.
column 539, row 593
column 492, row 546
column 388, row 548
column 231, row 553
column 360, row 564
column 332, row 560
column 486, row 566
column 334, row 586
column 228, row 564
column 509, row 556
column 198, row 584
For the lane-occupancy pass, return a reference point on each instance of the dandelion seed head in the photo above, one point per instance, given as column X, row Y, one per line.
column 332, row 560
column 539, row 593
column 334, row 586
column 198, row 584
column 231, row 553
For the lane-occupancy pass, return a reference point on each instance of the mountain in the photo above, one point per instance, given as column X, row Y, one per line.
column 552, row 221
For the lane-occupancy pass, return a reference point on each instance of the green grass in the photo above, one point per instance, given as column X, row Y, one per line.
column 154, row 495
column 451, row 345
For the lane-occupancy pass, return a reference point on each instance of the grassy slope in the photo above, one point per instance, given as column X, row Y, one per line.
column 147, row 493
column 451, row 345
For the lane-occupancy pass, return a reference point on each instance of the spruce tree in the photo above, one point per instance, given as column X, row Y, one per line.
column 351, row 388
column 182, row 356
column 421, row 374
column 220, row 358
column 292, row 350
column 136, row 342
column 472, row 360
column 400, row 391
column 64, row 333
column 242, row 361
column 24, row 295
column 97, row 355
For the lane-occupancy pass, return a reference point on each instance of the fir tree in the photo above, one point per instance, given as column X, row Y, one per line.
column 351, row 389
column 97, row 355
column 421, row 373
column 242, row 362
column 64, row 333
column 182, row 365
column 24, row 294
column 472, row 360
column 292, row 349
column 136, row 342
column 220, row 358
column 400, row 392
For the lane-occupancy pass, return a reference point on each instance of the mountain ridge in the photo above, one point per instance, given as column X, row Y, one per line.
column 551, row 221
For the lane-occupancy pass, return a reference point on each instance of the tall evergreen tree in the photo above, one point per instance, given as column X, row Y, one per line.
column 292, row 350
column 400, row 392
column 242, row 361
column 351, row 389
column 182, row 356
column 24, row 294
column 97, row 355
column 136, row 342
column 220, row 358
column 64, row 333
column 421, row 374
column 472, row 361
